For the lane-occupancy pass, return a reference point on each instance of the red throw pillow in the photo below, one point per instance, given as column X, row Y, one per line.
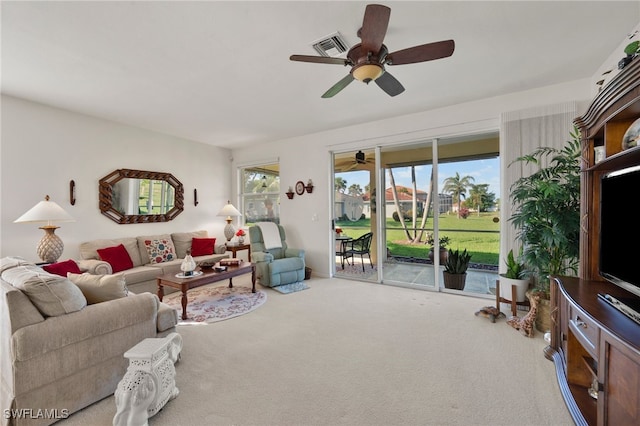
column 61, row 268
column 117, row 256
column 202, row 246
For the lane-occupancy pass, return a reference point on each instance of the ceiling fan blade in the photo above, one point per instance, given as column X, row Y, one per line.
column 422, row 53
column 374, row 27
column 319, row 59
column 338, row 86
column 389, row 84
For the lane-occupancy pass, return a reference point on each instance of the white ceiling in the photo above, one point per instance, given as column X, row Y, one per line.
column 219, row 72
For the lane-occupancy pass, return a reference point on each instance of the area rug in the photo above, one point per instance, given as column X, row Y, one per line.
column 355, row 271
column 291, row 288
column 210, row 303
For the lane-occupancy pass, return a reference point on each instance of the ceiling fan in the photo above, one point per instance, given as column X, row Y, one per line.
column 349, row 164
column 368, row 58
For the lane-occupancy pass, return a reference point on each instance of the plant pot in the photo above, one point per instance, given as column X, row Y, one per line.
column 521, row 288
column 454, row 281
column 444, row 254
column 543, row 318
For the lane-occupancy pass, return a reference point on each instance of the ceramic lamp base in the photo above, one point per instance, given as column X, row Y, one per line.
column 50, row 246
column 229, row 231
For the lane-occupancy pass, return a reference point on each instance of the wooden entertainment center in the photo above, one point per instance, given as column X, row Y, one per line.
column 595, row 347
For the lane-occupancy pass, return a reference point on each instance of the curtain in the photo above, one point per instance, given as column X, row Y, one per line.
column 520, row 133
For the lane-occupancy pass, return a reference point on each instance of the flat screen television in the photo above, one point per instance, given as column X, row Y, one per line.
column 620, row 228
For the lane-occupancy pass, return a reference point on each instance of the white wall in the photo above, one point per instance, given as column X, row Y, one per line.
column 308, row 157
column 43, row 148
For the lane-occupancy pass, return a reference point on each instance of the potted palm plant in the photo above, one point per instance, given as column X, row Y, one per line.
column 455, row 269
column 547, row 217
column 517, row 275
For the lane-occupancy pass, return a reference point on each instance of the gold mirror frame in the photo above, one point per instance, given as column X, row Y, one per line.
column 105, row 191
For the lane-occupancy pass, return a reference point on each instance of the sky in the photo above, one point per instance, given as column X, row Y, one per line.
column 485, row 171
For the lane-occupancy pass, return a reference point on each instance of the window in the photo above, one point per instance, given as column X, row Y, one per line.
column 261, row 194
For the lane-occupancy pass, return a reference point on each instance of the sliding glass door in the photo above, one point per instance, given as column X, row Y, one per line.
column 438, row 195
column 441, row 195
column 408, row 223
column 354, row 215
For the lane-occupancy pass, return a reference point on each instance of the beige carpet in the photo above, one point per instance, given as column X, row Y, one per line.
column 356, row 353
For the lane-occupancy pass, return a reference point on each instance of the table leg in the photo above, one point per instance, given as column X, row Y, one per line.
column 253, row 279
column 230, row 282
column 343, row 247
column 184, row 304
column 160, row 291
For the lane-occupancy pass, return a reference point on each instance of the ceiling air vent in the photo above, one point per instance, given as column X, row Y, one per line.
column 331, row 45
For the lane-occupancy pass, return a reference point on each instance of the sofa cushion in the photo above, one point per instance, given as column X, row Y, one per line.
column 142, row 273
column 117, row 256
column 62, row 268
column 20, row 311
column 100, row 288
column 182, row 241
column 202, row 246
column 11, row 262
column 160, row 250
column 286, row 265
column 88, row 250
column 52, row 294
column 156, row 248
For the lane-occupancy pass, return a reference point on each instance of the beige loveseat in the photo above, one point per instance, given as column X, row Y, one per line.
column 58, row 354
column 142, row 276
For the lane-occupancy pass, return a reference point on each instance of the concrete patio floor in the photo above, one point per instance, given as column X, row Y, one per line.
column 479, row 282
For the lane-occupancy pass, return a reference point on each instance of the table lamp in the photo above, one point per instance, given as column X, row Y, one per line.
column 230, row 212
column 50, row 246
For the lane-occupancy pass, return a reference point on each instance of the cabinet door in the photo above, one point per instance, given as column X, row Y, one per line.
column 619, row 373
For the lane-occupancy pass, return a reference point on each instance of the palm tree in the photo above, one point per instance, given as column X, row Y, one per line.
column 340, row 184
column 457, row 187
column 355, row 190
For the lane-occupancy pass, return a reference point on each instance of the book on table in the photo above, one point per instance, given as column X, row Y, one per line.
column 230, row 262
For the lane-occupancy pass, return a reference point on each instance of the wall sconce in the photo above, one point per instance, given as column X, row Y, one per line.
column 72, row 192
column 309, row 186
column 290, row 193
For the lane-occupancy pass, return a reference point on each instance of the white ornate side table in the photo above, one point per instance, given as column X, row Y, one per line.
column 149, row 382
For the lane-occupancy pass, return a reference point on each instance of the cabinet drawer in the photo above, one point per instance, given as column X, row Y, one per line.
column 585, row 330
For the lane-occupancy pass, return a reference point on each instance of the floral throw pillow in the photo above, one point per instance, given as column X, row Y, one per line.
column 160, row 251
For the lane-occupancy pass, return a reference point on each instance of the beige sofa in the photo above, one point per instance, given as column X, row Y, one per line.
column 58, row 354
column 142, row 277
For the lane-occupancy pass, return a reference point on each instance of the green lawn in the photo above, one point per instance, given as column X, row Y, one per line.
column 480, row 235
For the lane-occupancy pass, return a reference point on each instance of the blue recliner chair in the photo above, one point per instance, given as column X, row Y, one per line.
column 275, row 266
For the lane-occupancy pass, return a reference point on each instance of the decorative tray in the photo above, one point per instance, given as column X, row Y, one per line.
column 182, row 275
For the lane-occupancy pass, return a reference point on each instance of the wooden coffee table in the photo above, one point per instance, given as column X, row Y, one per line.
column 208, row 276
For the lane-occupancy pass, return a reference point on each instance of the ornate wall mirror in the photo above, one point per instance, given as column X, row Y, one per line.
column 138, row 196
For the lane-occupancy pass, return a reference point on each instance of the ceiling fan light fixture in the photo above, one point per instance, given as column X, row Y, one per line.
column 366, row 72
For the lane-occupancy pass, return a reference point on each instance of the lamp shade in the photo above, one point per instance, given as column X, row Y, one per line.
column 229, row 211
column 45, row 211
